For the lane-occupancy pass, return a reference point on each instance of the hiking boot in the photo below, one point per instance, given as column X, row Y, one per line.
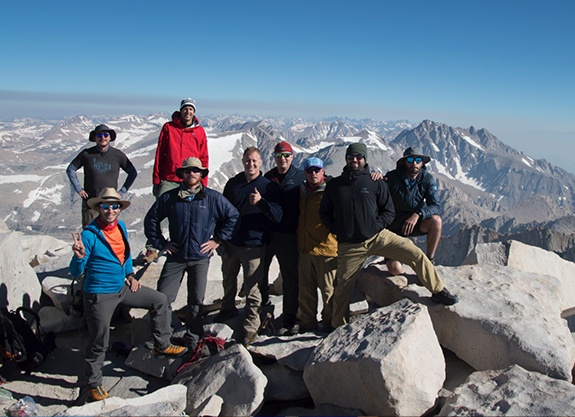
column 445, row 297
column 307, row 328
column 98, row 393
column 288, row 330
column 326, row 328
column 225, row 315
column 150, row 256
column 171, row 350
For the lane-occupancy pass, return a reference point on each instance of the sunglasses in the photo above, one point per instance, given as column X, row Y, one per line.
column 190, row 170
column 103, row 135
column 313, row 170
column 411, row 160
column 109, row 206
column 357, row 156
column 286, row 155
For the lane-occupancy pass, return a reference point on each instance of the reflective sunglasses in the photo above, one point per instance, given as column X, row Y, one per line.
column 357, row 156
column 313, row 170
column 103, row 135
column 286, row 155
column 190, row 170
column 411, row 160
column 109, row 206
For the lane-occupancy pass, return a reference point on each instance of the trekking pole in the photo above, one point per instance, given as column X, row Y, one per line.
column 262, row 327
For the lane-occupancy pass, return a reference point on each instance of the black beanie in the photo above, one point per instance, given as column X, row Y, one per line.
column 357, row 148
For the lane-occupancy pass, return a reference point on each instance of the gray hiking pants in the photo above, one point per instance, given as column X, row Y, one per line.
column 98, row 311
column 171, row 279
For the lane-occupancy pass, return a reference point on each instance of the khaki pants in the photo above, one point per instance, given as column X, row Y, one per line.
column 315, row 272
column 351, row 257
column 251, row 259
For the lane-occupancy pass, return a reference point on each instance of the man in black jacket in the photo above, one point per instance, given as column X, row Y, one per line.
column 417, row 206
column 357, row 210
column 283, row 238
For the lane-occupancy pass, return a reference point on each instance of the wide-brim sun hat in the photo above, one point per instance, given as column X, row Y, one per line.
column 415, row 153
column 191, row 162
column 108, row 196
column 102, row 128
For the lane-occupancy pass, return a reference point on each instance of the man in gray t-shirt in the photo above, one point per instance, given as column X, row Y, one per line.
column 101, row 165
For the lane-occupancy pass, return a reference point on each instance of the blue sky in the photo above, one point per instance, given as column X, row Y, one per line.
column 507, row 66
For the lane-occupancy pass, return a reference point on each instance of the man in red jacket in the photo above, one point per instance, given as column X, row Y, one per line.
column 181, row 138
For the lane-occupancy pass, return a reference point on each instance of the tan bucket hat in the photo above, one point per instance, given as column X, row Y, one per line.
column 108, row 196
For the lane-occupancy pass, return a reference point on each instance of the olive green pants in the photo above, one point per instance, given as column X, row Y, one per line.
column 351, row 257
column 251, row 260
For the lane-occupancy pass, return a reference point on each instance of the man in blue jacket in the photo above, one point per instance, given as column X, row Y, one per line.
column 103, row 252
column 417, row 206
column 357, row 210
column 257, row 200
column 200, row 219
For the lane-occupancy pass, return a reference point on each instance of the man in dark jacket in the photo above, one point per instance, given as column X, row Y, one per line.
column 200, row 219
column 283, row 239
column 417, row 206
column 357, row 210
column 257, row 201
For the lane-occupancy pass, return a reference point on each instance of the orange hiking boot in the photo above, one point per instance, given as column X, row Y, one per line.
column 98, row 393
column 171, row 350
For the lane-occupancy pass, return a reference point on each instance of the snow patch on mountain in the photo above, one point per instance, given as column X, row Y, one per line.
column 139, row 192
column 459, row 174
column 221, row 149
column 319, row 146
column 472, row 142
column 12, row 179
column 145, row 151
column 48, row 195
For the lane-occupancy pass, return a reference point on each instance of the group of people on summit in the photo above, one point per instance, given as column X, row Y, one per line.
column 320, row 229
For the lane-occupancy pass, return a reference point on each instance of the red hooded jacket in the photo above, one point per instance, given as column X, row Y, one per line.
column 177, row 143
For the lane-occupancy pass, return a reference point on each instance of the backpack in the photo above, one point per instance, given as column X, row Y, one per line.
column 207, row 346
column 19, row 343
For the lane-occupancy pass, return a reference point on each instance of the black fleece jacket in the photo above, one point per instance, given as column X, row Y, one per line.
column 355, row 207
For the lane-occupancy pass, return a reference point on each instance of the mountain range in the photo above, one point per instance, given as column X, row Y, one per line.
column 491, row 191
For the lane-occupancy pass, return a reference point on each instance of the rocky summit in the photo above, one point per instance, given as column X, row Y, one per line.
column 506, row 348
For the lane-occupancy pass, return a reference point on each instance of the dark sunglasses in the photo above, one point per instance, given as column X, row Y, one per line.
column 286, row 155
column 313, row 170
column 109, row 206
column 103, row 135
column 411, row 160
column 190, row 170
column 357, row 156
